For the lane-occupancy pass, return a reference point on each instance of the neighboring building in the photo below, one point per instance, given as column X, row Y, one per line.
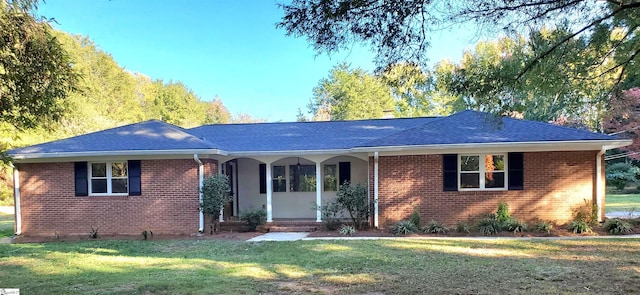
column 146, row 176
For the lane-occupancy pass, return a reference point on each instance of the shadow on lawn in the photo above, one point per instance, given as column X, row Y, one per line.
column 384, row 266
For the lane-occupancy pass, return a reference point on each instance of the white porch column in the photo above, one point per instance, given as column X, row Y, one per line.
column 220, row 171
column 16, row 196
column 318, row 192
column 375, row 190
column 269, row 193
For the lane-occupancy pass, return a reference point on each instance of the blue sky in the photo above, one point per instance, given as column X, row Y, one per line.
column 226, row 48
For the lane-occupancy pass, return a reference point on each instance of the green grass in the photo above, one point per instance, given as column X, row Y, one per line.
column 6, row 225
column 400, row 266
column 622, row 202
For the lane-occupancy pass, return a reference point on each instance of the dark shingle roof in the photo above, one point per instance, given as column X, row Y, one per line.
column 299, row 136
column 149, row 135
column 470, row 127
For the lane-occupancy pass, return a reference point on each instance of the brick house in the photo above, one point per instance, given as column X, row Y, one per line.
column 147, row 176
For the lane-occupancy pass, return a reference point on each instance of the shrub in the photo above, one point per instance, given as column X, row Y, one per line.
column 502, row 215
column 404, row 227
column 489, row 225
column 331, row 215
column 513, row 225
column 347, row 230
column 415, row 217
column 542, row 227
column 94, row 233
column 587, row 213
column 618, row 226
column 215, row 194
column 463, row 227
column 353, row 199
column 621, row 174
column 146, row 234
column 254, row 218
column 579, row 226
column 435, row 227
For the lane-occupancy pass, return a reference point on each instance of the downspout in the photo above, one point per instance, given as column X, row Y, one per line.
column 599, row 182
column 375, row 190
column 200, row 185
column 16, row 196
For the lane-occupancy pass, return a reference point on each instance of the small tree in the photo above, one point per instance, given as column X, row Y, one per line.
column 215, row 194
column 353, row 198
column 621, row 174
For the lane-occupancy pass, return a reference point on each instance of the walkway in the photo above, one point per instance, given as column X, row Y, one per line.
column 279, row 237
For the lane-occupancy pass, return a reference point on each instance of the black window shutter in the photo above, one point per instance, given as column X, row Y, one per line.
column 516, row 171
column 263, row 178
column 135, row 187
column 344, row 169
column 82, row 181
column 450, row 172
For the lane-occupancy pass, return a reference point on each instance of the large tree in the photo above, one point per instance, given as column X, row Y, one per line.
column 36, row 74
column 401, row 30
column 350, row 94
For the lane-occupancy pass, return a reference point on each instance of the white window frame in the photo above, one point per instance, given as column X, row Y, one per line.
column 483, row 172
column 109, row 178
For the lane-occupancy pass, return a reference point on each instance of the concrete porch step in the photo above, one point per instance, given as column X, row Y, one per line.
column 290, row 229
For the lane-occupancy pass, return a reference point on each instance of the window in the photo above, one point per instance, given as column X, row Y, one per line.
column 330, row 179
column 279, row 179
column 108, row 178
column 302, row 178
column 482, row 171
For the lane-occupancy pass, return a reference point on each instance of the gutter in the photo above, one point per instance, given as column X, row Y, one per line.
column 200, row 185
column 16, row 196
column 26, row 155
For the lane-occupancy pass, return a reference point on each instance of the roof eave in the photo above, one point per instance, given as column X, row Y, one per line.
column 34, row 157
column 534, row 146
column 291, row 152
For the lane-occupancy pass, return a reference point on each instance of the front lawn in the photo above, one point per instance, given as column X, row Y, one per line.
column 6, row 225
column 622, row 203
column 399, row 266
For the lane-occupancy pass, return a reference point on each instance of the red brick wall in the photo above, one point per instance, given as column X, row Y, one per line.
column 168, row 204
column 554, row 182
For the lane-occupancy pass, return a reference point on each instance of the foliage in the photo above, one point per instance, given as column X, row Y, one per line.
column 215, row 194
column 147, row 234
column 347, row 230
column 579, row 226
column 331, row 215
column 463, row 227
column 435, row 227
column 617, row 226
column 404, row 227
column 254, row 218
column 587, row 213
column 623, row 118
column 621, row 174
column 415, row 217
column 542, row 227
column 502, row 215
column 93, row 233
column 513, row 225
column 353, row 199
column 350, row 94
column 489, row 225
column 36, row 73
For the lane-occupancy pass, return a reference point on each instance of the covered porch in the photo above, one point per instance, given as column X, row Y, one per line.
column 289, row 188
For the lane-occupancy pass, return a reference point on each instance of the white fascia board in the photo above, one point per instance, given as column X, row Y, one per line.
column 113, row 155
column 293, row 153
column 536, row 146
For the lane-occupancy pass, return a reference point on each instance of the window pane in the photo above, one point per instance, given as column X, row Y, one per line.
column 330, row 180
column 494, row 163
column 279, row 181
column 98, row 170
column 99, row 186
column 119, row 186
column 470, row 163
column 302, row 178
column 469, row 180
column 119, row 169
column 494, row 180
